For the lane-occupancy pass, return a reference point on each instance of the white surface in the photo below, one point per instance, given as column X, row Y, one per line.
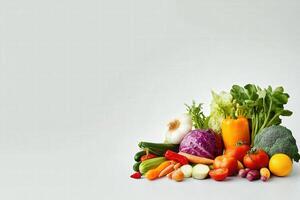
column 82, row 82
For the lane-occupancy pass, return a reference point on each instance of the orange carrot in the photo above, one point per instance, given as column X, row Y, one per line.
column 177, row 166
column 154, row 173
column 197, row 159
column 169, row 175
column 163, row 165
column 167, row 170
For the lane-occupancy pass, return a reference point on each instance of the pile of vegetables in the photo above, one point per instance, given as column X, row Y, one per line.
column 241, row 136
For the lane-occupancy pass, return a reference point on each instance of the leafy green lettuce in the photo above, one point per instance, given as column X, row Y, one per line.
column 220, row 107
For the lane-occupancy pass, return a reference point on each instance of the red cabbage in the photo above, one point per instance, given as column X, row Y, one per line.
column 204, row 143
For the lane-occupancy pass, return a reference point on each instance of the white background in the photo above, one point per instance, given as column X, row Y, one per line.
column 82, row 82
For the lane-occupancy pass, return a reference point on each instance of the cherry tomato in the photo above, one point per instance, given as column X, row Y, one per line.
column 219, row 174
column 148, row 156
column 238, row 151
column 226, row 162
column 256, row 159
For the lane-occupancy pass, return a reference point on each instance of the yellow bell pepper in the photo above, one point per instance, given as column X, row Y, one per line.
column 234, row 131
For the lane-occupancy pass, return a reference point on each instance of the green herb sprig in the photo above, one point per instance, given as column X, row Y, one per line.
column 200, row 121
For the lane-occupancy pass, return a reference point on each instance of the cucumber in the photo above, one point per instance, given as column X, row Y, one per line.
column 138, row 155
column 158, row 149
column 150, row 164
column 136, row 166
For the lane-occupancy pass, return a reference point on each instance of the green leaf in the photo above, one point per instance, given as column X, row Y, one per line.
column 279, row 89
column 286, row 113
column 239, row 94
column 261, row 94
column 280, row 98
column 251, row 91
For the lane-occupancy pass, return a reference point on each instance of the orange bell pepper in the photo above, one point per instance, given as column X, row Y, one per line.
column 234, row 131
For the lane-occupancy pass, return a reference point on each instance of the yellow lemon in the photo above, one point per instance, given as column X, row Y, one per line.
column 280, row 164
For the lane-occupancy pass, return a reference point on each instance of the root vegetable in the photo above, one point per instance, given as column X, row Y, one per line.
column 177, row 166
column 200, row 171
column 154, row 173
column 187, row 170
column 264, row 174
column 253, row 175
column 243, row 173
column 169, row 175
column 197, row 159
column 167, row 170
column 178, row 128
column 177, row 175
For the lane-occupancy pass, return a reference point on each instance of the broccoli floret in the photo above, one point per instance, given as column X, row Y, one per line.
column 277, row 139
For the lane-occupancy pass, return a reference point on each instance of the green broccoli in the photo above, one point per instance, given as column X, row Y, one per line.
column 277, row 139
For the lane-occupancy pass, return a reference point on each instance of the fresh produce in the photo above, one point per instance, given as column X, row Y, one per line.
column 226, row 162
column 158, row 149
column 178, row 128
column 200, row 171
column 187, row 170
column 177, row 166
column 169, row 175
column 242, row 173
column 240, row 165
column 263, row 106
column 234, row 131
column 200, row 121
column 238, row 136
column 136, row 166
column 256, row 159
column 167, row 170
column 150, row 164
column 171, row 155
column 277, row 139
column 221, row 107
column 238, row 151
column 264, row 174
column 280, row 164
column 177, row 175
column 200, row 143
column 138, row 155
column 197, row 159
column 136, row 175
column 148, row 156
column 154, row 173
column 253, row 175
column 219, row 174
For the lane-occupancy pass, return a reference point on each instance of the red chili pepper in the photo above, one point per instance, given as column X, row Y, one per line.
column 171, row 155
column 148, row 156
column 136, row 175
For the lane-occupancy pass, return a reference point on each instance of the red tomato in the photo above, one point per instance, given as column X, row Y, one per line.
column 256, row 159
column 226, row 162
column 238, row 151
column 219, row 174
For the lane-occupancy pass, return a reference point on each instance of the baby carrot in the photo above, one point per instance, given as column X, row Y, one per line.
column 154, row 173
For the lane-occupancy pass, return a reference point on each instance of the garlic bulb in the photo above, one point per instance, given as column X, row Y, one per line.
column 178, row 128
